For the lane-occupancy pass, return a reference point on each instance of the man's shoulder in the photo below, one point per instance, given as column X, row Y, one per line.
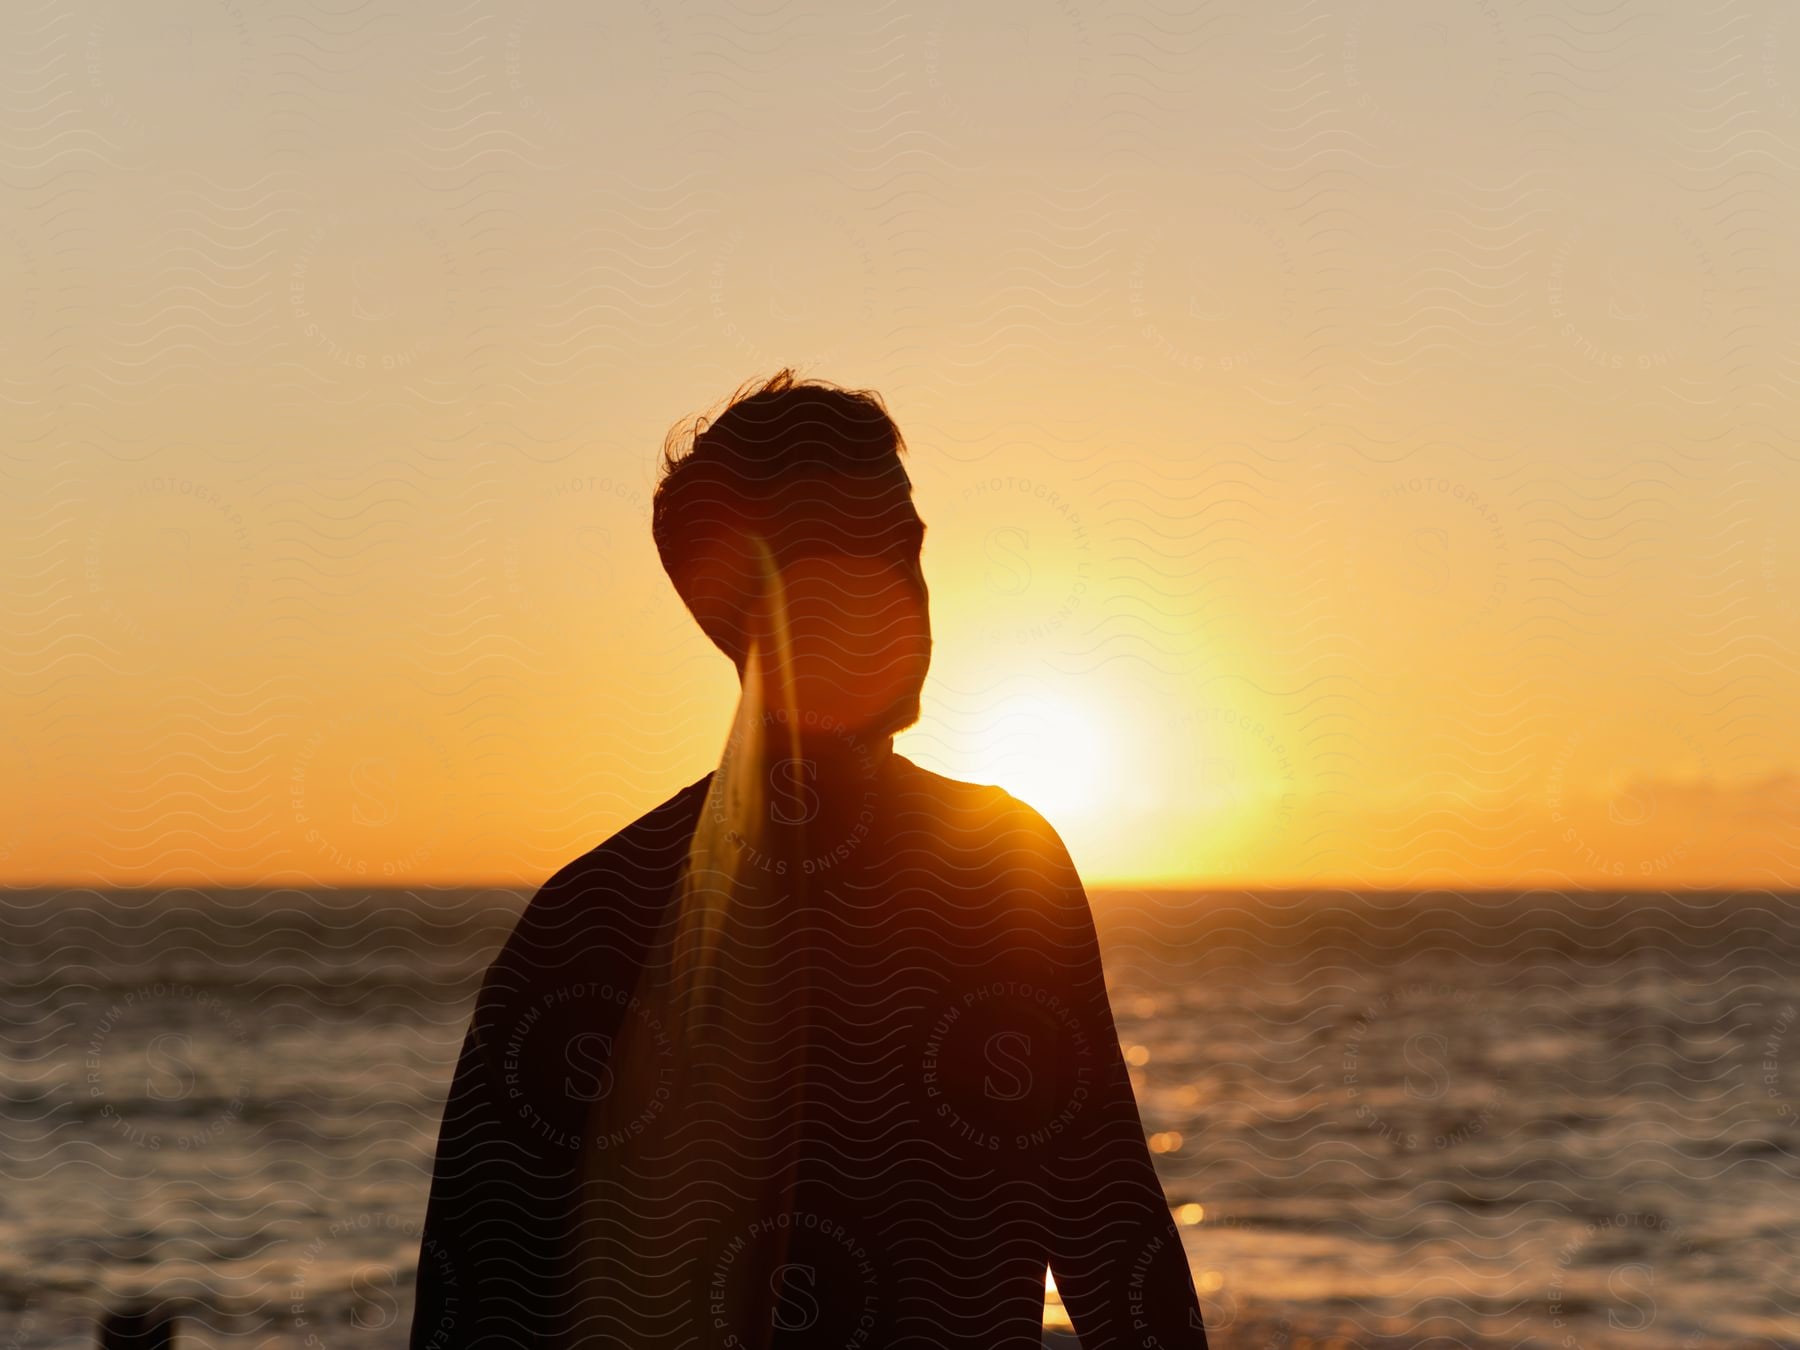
column 1004, row 822
column 917, row 784
column 654, row 842
column 614, row 894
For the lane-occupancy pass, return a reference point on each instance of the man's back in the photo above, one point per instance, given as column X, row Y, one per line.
column 966, row 1117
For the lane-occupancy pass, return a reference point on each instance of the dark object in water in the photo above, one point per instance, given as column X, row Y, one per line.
column 142, row 1326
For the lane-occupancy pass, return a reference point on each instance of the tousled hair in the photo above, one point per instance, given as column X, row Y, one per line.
column 759, row 468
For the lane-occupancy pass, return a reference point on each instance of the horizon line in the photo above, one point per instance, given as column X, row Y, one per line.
column 1201, row 887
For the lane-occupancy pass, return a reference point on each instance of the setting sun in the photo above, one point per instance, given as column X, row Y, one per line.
column 1051, row 751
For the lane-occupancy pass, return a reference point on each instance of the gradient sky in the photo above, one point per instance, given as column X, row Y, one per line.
column 1358, row 443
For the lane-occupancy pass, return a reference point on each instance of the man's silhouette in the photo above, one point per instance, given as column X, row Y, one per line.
column 818, row 1052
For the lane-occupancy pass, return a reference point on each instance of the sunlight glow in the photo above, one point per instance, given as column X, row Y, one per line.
column 1049, row 751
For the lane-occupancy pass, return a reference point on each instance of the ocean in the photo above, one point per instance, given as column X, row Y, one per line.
column 1490, row 1119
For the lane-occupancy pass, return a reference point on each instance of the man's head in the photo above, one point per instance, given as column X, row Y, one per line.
column 810, row 473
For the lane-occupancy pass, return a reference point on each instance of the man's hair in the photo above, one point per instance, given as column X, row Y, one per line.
column 757, row 470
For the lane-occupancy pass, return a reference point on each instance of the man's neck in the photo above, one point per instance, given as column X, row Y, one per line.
column 839, row 752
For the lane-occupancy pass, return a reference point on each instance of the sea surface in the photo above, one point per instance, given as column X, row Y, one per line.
column 1478, row 1119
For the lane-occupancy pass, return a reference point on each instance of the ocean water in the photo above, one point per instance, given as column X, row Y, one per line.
column 1490, row 1119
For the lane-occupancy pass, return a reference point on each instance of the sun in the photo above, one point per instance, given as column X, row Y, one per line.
column 1051, row 752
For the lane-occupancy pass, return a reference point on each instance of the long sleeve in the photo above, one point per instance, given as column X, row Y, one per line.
column 491, row 1242
column 1116, row 1253
column 499, row 1263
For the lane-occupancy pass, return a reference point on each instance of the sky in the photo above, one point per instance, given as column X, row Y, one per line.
column 1358, row 443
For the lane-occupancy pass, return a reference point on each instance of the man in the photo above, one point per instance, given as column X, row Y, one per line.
column 818, row 1052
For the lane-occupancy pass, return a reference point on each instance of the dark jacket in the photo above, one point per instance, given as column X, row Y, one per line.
column 971, row 1116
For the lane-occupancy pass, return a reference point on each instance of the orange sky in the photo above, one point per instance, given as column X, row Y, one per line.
column 1355, row 450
